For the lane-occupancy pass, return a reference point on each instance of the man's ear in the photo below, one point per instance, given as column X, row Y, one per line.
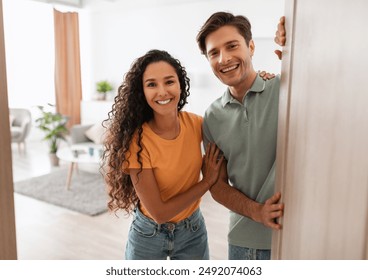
column 252, row 47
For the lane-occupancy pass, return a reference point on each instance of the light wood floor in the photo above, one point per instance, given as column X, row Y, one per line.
column 48, row 232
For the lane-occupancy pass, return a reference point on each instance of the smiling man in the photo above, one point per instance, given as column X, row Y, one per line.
column 243, row 124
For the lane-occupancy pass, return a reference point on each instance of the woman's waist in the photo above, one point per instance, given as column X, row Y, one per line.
column 177, row 219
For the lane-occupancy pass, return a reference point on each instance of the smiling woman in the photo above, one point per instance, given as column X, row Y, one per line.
column 162, row 91
column 162, row 94
column 158, row 146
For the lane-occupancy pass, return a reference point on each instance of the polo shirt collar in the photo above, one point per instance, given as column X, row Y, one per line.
column 258, row 87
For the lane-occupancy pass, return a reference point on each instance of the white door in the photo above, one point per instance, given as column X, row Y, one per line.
column 322, row 161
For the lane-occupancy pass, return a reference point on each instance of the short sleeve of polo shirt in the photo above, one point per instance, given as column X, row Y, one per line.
column 207, row 137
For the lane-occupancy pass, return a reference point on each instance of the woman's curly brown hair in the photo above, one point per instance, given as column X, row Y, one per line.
column 129, row 112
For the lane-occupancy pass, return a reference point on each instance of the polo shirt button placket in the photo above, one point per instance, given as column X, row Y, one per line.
column 245, row 107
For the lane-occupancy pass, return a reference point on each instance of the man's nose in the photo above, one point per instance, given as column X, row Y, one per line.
column 224, row 57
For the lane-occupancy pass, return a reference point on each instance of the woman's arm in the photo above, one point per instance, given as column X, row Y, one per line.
column 162, row 211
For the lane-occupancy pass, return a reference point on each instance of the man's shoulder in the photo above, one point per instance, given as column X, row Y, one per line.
column 216, row 105
column 270, row 90
column 273, row 84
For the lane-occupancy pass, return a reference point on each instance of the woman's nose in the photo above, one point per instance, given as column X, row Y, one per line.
column 161, row 90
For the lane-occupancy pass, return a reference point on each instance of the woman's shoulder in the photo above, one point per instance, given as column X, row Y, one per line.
column 192, row 123
column 188, row 116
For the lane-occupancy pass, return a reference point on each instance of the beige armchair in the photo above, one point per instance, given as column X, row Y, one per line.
column 20, row 126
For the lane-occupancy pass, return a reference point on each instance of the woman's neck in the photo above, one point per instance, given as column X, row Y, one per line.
column 167, row 127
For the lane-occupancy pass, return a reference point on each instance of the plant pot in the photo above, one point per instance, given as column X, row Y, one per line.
column 101, row 96
column 54, row 160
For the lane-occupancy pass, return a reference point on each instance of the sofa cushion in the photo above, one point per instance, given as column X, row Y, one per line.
column 95, row 133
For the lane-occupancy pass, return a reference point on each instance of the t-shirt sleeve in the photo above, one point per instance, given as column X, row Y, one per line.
column 199, row 126
column 133, row 156
column 194, row 122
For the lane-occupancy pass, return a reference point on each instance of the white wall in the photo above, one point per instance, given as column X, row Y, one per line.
column 29, row 47
column 121, row 32
column 114, row 33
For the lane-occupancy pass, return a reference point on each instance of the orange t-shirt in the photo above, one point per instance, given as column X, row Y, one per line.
column 176, row 163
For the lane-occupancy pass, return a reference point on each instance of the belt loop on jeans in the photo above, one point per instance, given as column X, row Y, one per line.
column 187, row 223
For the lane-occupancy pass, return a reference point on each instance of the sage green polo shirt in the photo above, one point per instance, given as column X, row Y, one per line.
column 246, row 133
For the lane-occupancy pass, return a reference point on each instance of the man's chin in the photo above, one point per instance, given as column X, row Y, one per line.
column 228, row 81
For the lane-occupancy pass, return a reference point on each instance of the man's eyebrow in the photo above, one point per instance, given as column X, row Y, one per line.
column 227, row 43
column 211, row 50
column 231, row 42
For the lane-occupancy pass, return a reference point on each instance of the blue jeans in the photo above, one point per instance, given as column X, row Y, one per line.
column 185, row 240
column 243, row 253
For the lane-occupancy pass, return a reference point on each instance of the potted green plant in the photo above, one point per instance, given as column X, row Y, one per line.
column 102, row 88
column 54, row 126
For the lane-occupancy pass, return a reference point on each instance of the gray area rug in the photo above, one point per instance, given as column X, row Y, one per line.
column 87, row 192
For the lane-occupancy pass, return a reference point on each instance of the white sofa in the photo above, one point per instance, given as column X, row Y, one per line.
column 87, row 135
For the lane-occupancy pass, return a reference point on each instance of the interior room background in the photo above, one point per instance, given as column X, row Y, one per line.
column 114, row 33
column 322, row 132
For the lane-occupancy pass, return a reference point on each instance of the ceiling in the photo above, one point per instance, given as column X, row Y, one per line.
column 82, row 3
column 72, row 3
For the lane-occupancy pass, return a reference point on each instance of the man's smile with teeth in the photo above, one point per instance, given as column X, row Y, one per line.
column 229, row 68
column 163, row 102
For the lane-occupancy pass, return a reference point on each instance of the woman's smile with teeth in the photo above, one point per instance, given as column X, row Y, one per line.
column 229, row 68
column 163, row 102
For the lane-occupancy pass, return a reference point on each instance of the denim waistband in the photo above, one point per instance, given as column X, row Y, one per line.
column 170, row 226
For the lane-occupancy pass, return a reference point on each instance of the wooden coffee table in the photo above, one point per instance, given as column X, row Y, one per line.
column 79, row 154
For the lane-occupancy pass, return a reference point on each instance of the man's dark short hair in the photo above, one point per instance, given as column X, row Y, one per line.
column 220, row 19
